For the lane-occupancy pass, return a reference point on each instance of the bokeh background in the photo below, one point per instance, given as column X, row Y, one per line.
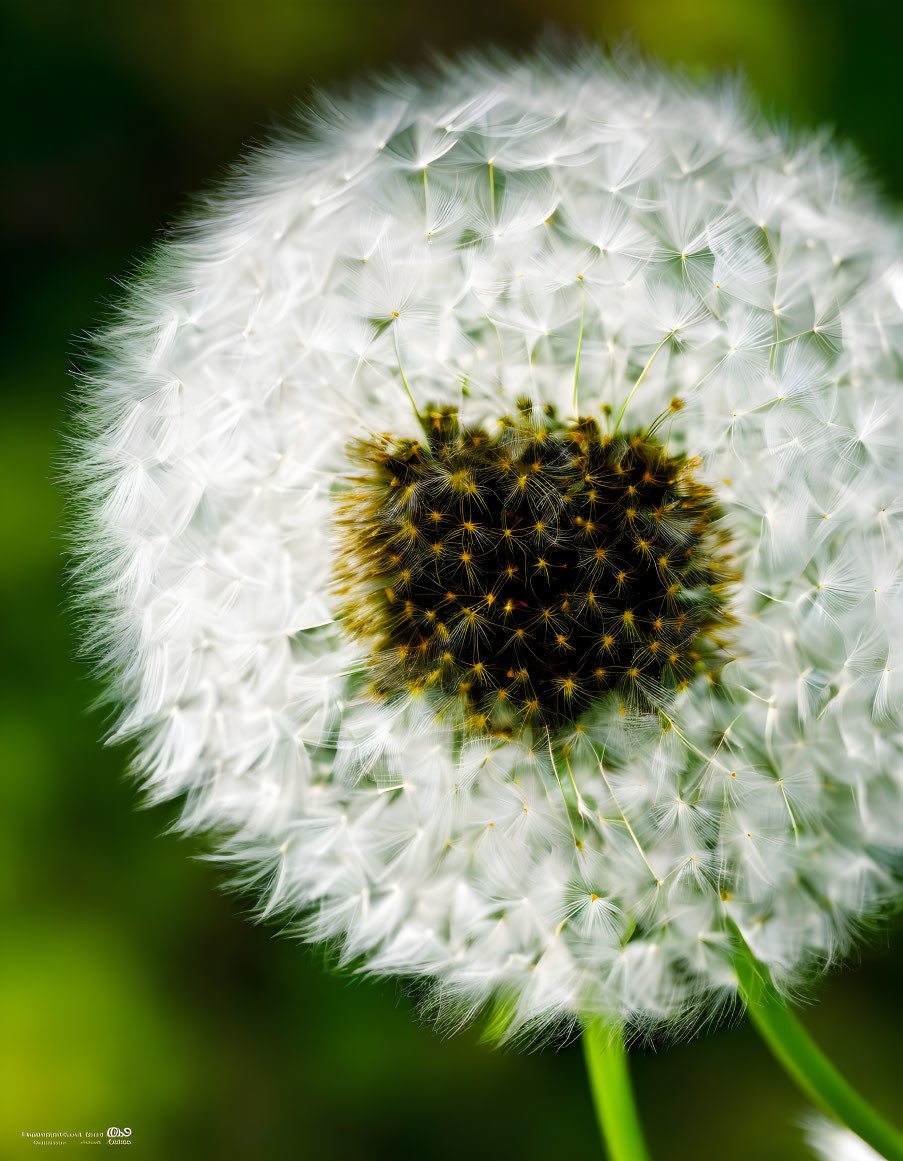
column 133, row 991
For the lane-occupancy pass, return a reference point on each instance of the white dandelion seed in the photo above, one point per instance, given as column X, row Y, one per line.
column 535, row 242
column 832, row 1142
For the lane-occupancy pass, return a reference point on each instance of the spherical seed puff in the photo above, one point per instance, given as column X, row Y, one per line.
column 586, row 233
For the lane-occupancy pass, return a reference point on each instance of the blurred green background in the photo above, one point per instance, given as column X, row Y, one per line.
column 132, row 990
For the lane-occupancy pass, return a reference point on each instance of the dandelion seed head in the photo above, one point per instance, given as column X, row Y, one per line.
column 514, row 603
column 488, row 525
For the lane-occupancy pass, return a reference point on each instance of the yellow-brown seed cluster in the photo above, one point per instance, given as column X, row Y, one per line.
column 522, row 575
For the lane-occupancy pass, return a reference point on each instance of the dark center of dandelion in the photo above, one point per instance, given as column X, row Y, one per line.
column 522, row 576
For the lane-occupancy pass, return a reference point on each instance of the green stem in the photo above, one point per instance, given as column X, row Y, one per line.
column 609, row 1080
column 804, row 1062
